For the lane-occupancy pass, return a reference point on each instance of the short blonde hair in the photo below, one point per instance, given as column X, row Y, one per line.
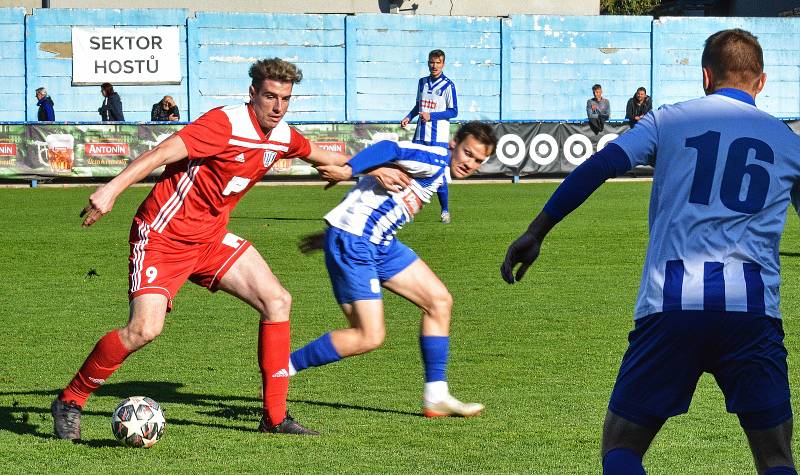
column 275, row 69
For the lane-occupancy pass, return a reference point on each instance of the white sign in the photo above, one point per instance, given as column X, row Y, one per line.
column 148, row 55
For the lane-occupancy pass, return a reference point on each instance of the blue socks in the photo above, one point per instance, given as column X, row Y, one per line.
column 622, row 462
column 781, row 471
column 442, row 194
column 435, row 351
column 317, row 353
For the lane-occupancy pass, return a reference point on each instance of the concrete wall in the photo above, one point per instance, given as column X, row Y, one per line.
column 550, row 64
column 49, row 62
column 222, row 47
column 365, row 67
column 678, row 45
column 387, row 54
column 424, row 7
column 12, row 65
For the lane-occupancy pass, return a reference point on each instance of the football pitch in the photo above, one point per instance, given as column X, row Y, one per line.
column 542, row 355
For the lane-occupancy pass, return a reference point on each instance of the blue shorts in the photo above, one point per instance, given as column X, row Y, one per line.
column 358, row 267
column 668, row 352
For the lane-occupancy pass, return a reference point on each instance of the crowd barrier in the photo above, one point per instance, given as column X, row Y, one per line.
column 75, row 151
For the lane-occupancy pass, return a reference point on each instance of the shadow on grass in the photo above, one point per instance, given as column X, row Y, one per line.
column 790, row 254
column 31, row 420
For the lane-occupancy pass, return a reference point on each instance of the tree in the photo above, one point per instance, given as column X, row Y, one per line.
column 627, row 7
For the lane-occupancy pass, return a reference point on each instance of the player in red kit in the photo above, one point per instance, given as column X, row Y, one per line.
column 179, row 233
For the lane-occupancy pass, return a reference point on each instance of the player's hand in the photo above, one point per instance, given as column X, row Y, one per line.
column 404, row 122
column 391, row 178
column 311, row 243
column 333, row 174
column 100, row 204
column 425, row 116
column 523, row 251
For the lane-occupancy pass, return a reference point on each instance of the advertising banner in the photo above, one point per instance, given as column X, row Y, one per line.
column 133, row 55
column 75, row 151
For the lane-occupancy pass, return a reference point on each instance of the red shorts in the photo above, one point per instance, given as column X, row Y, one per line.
column 160, row 265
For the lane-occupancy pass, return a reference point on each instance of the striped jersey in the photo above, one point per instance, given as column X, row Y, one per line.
column 437, row 96
column 228, row 154
column 371, row 211
column 724, row 171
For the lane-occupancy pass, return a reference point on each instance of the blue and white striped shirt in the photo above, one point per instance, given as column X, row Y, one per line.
column 438, row 97
column 724, row 171
column 371, row 211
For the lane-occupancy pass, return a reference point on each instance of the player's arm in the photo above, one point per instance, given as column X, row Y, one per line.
column 635, row 147
column 451, row 101
column 574, row 190
column 102, row 200
column 374, row 160
column 319, row 156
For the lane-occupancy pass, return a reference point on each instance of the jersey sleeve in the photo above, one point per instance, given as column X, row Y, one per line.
column 207, row 136
column 639, row 143
column 299, row 146
column 382, row 152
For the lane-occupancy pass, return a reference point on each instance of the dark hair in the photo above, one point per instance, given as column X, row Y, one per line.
column 437, row 53
column 642, row 89
column 107, row 88
column 734, row 57
column 483, row 133
column 596, row 87
column 275, row 69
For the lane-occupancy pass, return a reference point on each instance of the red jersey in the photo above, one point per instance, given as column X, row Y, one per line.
column 228, row 154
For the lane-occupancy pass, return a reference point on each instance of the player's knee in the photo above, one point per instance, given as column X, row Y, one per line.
column 136, row 337
column 277, row 307
column 373, row 339
column 441, row 305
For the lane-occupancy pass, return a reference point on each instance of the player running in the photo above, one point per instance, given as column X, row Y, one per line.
column 362, row 255
column 709, row 295
column 436, row 105
column 179, row 233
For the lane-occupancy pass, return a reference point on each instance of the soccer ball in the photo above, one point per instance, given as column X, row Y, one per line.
column 138, row 421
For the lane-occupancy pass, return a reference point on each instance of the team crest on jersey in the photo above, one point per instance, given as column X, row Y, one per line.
column 269, row 157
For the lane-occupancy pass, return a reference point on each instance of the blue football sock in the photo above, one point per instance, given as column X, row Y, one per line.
column 317, row 353
column 622, row 462
column 442, row 194
column 435, row 350
column 781, row 471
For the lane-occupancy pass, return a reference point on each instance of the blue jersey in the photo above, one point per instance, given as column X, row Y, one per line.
column 371, row 211
column 438, row 97
column 724, row 171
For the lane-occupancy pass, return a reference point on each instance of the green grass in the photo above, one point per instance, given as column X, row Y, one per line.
column 542, row 354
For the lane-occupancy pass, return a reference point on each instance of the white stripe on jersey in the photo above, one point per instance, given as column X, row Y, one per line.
column 268, row 146
column 138, row 256
column 176, row 200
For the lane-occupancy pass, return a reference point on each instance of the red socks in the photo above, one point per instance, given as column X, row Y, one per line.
column 107, row 355
column 273, row 359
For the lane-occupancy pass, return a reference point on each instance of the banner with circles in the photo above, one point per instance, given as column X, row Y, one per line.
column 546, row 147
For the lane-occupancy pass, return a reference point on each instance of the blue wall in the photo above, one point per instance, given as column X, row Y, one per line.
column 678, row 45
column 550, row 64
column 387, row 54
column 12, row 65
column 224, row 45
column 365, row 67
column 46, row 27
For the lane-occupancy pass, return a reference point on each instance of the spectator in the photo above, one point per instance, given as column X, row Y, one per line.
column 111, row 110
column 165, row 110
column 46, row 112
column 638, row 105
column 597, row 109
